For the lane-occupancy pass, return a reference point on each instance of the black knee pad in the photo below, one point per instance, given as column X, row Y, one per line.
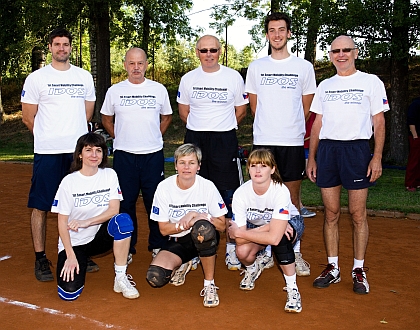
column 204, row 236
column 284, row 251
column 158, row 276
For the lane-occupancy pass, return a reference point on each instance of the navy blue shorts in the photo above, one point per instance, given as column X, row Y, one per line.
column 220, row 163
column 290, row 161
column 343, row 163
column 48, row 171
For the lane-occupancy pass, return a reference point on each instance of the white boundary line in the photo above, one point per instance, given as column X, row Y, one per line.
column 57, row 312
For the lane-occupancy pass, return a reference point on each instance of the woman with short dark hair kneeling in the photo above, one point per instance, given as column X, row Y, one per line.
column 87, row 203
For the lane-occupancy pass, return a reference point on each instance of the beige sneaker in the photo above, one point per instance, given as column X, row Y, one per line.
column 179, row 276
column 303, row 268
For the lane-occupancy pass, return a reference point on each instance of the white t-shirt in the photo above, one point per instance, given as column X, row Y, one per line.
column 61, row 116
column 82, row 197
column 171, row 203
column 279, row 86
column 260, row 209
column 212, row 98
column 347, row 104
column 137, row 109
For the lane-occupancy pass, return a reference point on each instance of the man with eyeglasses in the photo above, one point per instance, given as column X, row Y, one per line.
column 281, row 87
column 346, row 107
column 212, row 102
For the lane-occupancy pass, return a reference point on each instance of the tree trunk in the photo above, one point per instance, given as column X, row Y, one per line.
column 146, row 29
column 100, row 19
column 312, row 32
column 38, row 58
column 398, row 143
column 1, row 105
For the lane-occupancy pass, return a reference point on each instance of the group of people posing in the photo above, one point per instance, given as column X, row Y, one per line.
column 96, row 205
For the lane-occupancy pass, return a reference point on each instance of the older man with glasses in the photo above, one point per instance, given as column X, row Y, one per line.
column 212, row 102
column 346, row 107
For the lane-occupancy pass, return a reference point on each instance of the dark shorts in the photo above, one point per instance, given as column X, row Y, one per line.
column 220, row 163
column 184, row 247
column 343, row 163
column 290, row 161
column 48, row 171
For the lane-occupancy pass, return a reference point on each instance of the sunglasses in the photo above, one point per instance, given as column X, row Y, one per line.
column 211, row 50
column 344, row 50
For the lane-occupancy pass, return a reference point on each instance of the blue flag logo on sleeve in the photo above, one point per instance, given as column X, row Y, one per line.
column 55, row 202
column 155, row 210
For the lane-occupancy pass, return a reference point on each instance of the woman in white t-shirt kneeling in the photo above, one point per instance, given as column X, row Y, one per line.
column 87, row 203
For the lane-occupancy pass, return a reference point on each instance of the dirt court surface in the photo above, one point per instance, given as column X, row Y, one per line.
column 392, row 257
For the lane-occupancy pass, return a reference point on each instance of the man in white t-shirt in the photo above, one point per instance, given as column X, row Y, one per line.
column 57, row 101
column 346, row 107
column 281, row 87
column 136, row 113
column 212, row 102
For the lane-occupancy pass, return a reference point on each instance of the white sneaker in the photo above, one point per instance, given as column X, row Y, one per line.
column 195, row 262
column 266, row 260
column 211, row 298
column 303, row 268
column 126, row 285
column 248, row 282
column 179, row 276
column 294, row 302
column 232, row 261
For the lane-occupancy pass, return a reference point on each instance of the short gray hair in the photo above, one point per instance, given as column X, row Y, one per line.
column 186, row 150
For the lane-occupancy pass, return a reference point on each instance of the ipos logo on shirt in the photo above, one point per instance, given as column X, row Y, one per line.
column 212, row 95
column 179, row 213
column 69, row 91
column 282, row 81
column 255, row 214
column 98, row 199
column 342, row 96
column 143, row 102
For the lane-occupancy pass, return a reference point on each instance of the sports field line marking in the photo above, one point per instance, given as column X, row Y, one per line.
column 57, row 312
column 5, row 258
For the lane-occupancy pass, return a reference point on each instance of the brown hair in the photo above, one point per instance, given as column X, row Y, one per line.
column 264, row 156
column 91, row 140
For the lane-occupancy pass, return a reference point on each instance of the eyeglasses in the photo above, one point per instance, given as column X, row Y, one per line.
column 211, row 50
column 344, row 50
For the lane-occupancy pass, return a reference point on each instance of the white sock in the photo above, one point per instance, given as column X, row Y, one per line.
column 358, row 263
column 268, row 250
column 333, row 260
column 207, row 282
column 230, row 247
column 291, row 281
column 120, row 271
column 296, row 248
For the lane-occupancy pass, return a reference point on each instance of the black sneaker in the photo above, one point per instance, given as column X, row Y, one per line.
column 360, row 283
column 329, row 275
column 92, row 267
column 42, row 270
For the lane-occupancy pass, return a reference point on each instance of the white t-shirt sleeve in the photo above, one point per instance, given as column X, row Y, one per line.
column 63, row 195
column 90, row 89
column 160, row 206
column 250, row 83
column 107, row 107
column 379, row 100
column 183, row 96
column 30, row 93
column 239, row 209
column 166, row 105
column 216, row 205
column 309, row 86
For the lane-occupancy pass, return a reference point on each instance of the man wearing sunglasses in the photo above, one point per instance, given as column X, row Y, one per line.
column 281, row 87
column 346, row 107
column 212, row 102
